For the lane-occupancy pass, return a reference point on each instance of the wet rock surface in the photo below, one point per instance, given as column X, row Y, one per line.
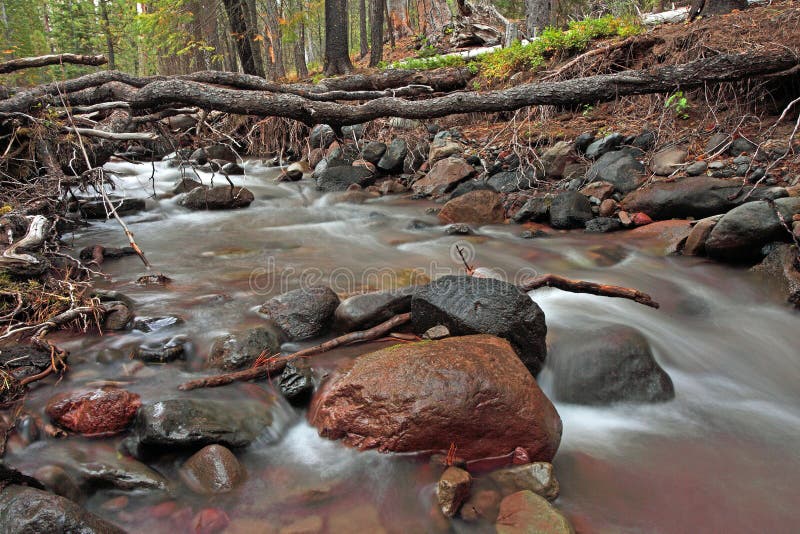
column 340, row 177
column 606, row 365
column 297, row 382
column 221, row 197
column 570, row 209
column 537, row 477
column 452, row 490
column 477, row 207
column 302, row 313
column 618, row 168
column 211, row 470
column 194, row 423
column 526, row 512
column 98, row 412
column 238, row 350
column 360, row 312
column 444, row 176
column 472, row 391
column 470, row 305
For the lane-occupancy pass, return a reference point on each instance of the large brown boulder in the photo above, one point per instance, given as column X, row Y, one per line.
column 97, row 412
column 472, row 392
column 478, row 207
column 444, row 176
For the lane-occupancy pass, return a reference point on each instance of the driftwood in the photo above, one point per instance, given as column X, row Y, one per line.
column 54, row 59
column 276, row 364
column 580, row 286
column 113, row 136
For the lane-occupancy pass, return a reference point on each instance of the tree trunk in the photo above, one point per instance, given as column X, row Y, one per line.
column 376, row 18
column 388, row 21
column 300, row 52
column 433, row 16
column 109, row 38
column 537, row 16
column 398, row 18
column 362, row 34
column 337, row 50
column 249, row 56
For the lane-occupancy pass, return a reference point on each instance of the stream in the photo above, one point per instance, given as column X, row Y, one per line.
column 721, row 457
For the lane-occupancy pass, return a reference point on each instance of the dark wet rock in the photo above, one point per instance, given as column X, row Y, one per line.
column 780, row 270
column 56, row 479
column 607, row 365
column 373, row 151
column 98, row 209
column 163, row 350
column 341, row 177
column 458, row 229
column 698, row 196
column 222, row 197
column 697, row 168
column 118, row 316
column 27, row 429
column 452, row 490
column 471, row 305
column 96, row 412
column 238, row 350
column 526, row 512
column 366, row 310
column 618, row 168
column 477, row 207
column 417, row 396
column 293, row 173
column 297, row 382
column 583, row 141
column 443, row 176
column 30, row 510
column 212, row 470
column 740, row 145
column 602, row 225
column 232, row 169
column 475, row 184
column 535, row 209
column 509, row 182
column 321, row 136
column 185, row 185
column 570, row 209
column 606, row 144
column 194, row 423
column 155, row 324
column 537, row 477
column 392, row 160
column 742, row 232
column 302, row 313
column 667, row 161
column 108, row 252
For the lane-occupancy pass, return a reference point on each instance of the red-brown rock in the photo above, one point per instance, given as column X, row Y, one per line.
column 470, row 391
column 444, row 176
column 641, row 219
column 97, row 412
column 478, row 207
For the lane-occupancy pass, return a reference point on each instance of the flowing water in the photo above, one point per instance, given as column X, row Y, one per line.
column 721, row 457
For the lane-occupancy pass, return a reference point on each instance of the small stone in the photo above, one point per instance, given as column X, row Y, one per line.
column 297, row 382
column 716, row 142
column 525, row 511
column 696, row 241
column 608, row 207
column 624, row 218
column 601, row 225
column 716, row 165
column 697, row 168
column 118, row 316
column 211, row 470
column 458, row 229
column 436, row 332
column 452, row 490
column 210, row 521
column 537, row 477
column 641, row 219
column 668, row 161
column 741, row 145
column 483, row 505
column 99, row 412
column 604, row 145
column 583, row 141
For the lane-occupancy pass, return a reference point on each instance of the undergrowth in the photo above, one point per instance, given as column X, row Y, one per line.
column 552, row 42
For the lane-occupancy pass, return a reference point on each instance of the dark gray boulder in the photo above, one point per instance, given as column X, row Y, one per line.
column 606, row 144
column 618, row 168
column 321, row 136
column 509, row 182
column 221, row 197
column 340, row 177
column 469, row 305
column 535, row 209
column 607, row 365
column 570, row 209
column 364, row 311
column 238, row 350
column 392, row 160
column 602, row 225
column 373, row 151
column 302, row 313
column 297, row 382
column 475, row 184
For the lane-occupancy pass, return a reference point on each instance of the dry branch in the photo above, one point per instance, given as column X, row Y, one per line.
column 54, row 59
column 274, row 365
column 580, row 286
column 113, row 136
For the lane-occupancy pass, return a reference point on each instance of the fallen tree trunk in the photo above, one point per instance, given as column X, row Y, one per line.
column 727, row 67
column 53, row 59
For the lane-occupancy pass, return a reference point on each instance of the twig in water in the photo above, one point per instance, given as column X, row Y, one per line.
column 580, row 286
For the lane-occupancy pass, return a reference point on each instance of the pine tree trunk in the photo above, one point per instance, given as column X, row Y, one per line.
column 109, row 38
column 300, row 52
column 362, row 36
column 433, row 16
column 398, row 18
column 537, row 16
column 376, row 19
column 249, row 56
column 337, row 50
